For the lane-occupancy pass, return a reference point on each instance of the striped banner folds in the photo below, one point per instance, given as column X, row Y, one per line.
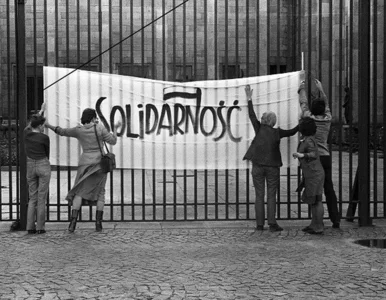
column 170, row 125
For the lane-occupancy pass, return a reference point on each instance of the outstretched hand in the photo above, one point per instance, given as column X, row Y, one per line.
column 118, row 124
column 318, row 84
column 248, row 92
column 42, row 109
column 298, row 155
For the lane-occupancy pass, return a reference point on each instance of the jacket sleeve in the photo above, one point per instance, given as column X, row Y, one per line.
column 252, row 117
column 327, row 113
column 287, row 133
column 311, row 150
column 70, row 132
column 303, row 102
column 108, row 137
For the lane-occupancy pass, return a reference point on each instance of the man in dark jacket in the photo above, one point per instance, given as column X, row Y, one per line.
column 264, row 153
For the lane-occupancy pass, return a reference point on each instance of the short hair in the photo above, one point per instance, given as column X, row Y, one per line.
column 318, row 107
column 37, row 120
column 269, row 118
column 307, row 126
column 87, row 115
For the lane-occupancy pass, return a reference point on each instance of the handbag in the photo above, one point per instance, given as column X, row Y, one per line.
column 108, row 160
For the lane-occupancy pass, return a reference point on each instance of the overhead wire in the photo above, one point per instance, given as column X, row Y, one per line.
column 116, row 44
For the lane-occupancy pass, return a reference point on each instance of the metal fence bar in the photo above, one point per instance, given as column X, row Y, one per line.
column 350, row 105
column 257, row 39
column 215, row 39
column 153, row 38
column 154, row 196
column 340, row 80
column 364, row 116
column 195, row 199
column 122, row 205
column 278, row 63
column 143, row 194
column 206, row 195
column 227, row 201
column 384, row 121
column 22, row 193
column 247, row 199
column 8, row 107
column 132, row 195
column 375, row 108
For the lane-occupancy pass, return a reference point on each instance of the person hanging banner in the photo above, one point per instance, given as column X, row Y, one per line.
column 170, row 125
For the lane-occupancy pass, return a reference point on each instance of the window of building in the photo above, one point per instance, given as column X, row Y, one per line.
column 135, row 70
column 183, row 73
column 35, row 99
column 92, row 68
column 231, row 72
column 273, row 69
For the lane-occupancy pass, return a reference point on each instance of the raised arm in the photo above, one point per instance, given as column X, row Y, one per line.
column 252, row 115
column 323, row 97
column 70, row 132
column 111, row 138
column 289, row 132
column 303, row 102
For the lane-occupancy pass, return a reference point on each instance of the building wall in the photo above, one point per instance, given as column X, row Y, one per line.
column 199, row 41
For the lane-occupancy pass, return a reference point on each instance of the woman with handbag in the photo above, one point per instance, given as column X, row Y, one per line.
column 90, row 181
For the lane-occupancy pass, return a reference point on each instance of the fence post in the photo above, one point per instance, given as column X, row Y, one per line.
column 364, row 115
column 21, row 92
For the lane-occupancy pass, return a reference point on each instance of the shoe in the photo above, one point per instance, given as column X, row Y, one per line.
column 306, row 229
column 314, row 232
column 336, row 225
column 41, row 231
column 98, row 220
column 74, row 217
column 32, row 231
column 275, row 227
column 259, row 227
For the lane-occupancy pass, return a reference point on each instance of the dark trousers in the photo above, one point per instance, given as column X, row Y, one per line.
column 331, row 200
column 261, row 175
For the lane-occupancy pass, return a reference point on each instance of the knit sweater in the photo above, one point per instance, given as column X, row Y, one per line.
column 323, row 122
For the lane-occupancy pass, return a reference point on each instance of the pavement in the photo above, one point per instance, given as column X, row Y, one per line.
column 192, row 260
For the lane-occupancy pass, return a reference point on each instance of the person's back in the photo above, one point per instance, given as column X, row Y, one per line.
column 320, row 112
column 86, row 135
column 265, row 148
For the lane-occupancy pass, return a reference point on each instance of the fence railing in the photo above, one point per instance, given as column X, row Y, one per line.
column 201, row 40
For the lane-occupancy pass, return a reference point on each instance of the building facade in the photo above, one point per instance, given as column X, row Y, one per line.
column 193, row 40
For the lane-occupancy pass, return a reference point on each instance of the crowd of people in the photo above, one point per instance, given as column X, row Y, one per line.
column 264, row 153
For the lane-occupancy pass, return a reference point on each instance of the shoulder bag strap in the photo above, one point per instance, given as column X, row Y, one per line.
column 96, row 134
column 107, row 149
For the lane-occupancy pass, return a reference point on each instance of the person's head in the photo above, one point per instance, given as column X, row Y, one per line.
column 307, row 126
column 269, row 118
column 37, row 121
column 88, row 115
column 318, row 107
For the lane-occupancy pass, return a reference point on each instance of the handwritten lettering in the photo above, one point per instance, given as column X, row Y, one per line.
column 173, row 119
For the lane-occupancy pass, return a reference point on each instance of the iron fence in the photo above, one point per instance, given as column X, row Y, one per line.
column 199, row 40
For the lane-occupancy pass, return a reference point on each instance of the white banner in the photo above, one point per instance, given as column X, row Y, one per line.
column 170, row 125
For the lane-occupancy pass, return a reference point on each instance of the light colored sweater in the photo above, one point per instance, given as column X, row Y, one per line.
column 323, row 122
column 86, row 136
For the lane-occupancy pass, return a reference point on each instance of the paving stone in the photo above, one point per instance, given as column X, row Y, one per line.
column 202, row 262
